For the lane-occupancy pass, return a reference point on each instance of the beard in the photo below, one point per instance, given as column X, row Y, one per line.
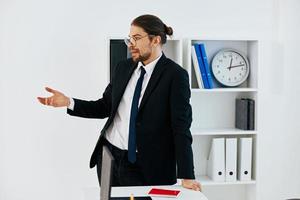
column 142, row 58
column 138, row 57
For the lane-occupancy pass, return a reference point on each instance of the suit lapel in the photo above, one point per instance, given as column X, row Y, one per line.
column 159, row 68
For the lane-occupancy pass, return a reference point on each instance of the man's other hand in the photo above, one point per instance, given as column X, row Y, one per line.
column 191, row 184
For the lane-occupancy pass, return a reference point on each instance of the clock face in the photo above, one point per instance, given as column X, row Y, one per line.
column 230, row 67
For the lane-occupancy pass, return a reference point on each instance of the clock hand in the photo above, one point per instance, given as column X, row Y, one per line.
column 230, row 65
column 237, row 66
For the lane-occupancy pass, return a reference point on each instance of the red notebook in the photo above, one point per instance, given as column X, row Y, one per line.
column 163, row 192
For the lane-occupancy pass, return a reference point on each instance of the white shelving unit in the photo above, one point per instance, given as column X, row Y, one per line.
column 214, row 116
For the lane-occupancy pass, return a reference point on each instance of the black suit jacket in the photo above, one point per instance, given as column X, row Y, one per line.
column 163, row 121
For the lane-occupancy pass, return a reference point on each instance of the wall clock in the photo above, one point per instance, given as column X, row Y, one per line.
column 230, row 67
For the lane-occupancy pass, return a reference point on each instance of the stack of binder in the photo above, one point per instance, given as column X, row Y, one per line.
column 201, row 66
column 231, row 161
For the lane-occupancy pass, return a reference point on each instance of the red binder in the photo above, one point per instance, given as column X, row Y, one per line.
column 163, row 192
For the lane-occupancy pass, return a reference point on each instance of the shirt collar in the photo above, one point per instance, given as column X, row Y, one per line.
column 149, row 67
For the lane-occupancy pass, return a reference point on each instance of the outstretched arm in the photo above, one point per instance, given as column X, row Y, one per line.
column 88, row 109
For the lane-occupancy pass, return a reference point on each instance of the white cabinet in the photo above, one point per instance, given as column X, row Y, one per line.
column 214, row 116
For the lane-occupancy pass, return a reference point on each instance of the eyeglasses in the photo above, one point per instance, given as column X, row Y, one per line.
column 131, row 41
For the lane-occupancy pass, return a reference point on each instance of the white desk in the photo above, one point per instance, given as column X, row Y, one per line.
column 185, row 194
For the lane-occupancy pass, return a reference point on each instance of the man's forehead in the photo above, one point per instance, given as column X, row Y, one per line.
column 136, row 31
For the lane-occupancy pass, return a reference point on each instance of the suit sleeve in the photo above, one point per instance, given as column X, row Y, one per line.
column 100, row 108
column 181, row 119
column 93, row 109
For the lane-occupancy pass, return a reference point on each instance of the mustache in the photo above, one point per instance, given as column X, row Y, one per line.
column 133, row 49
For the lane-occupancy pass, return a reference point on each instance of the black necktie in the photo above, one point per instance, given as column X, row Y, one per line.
column 133, row 114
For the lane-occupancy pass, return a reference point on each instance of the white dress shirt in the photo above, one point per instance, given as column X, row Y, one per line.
column 118, row 132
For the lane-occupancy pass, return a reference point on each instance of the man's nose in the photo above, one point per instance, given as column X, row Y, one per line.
column 131, row 47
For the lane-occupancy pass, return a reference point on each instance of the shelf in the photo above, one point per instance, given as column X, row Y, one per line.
column 224, row 90
column 223, row 131
column 206, row 181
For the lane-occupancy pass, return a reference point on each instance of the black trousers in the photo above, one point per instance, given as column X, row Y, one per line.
column 124, row 172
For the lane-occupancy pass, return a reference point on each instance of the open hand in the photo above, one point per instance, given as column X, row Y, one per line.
column 58, row 99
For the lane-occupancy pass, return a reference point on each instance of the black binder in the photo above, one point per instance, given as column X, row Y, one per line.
column 245, row 114
column 251, row 113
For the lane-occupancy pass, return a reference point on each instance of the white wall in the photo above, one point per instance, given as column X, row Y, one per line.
column 279, row 148
column 44, row 154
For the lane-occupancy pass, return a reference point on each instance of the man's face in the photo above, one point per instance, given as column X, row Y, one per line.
column 141, row 48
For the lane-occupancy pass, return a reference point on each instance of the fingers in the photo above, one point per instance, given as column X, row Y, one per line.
column 197, row 187
column 51, row 90
column 46, row 101
column 49, row 101
column 192, row 184
column 42, row 100
column 200, row 187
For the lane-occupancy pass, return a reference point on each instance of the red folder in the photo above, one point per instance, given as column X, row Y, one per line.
column 163, row 192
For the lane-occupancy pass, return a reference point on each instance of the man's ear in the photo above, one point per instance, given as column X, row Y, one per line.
column 157, row 40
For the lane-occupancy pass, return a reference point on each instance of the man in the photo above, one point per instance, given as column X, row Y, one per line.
column 148, row 110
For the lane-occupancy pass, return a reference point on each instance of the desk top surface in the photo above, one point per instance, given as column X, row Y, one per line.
column 185, row 194
column 93, row 193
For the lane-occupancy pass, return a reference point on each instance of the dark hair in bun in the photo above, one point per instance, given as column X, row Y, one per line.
column 168, row 30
